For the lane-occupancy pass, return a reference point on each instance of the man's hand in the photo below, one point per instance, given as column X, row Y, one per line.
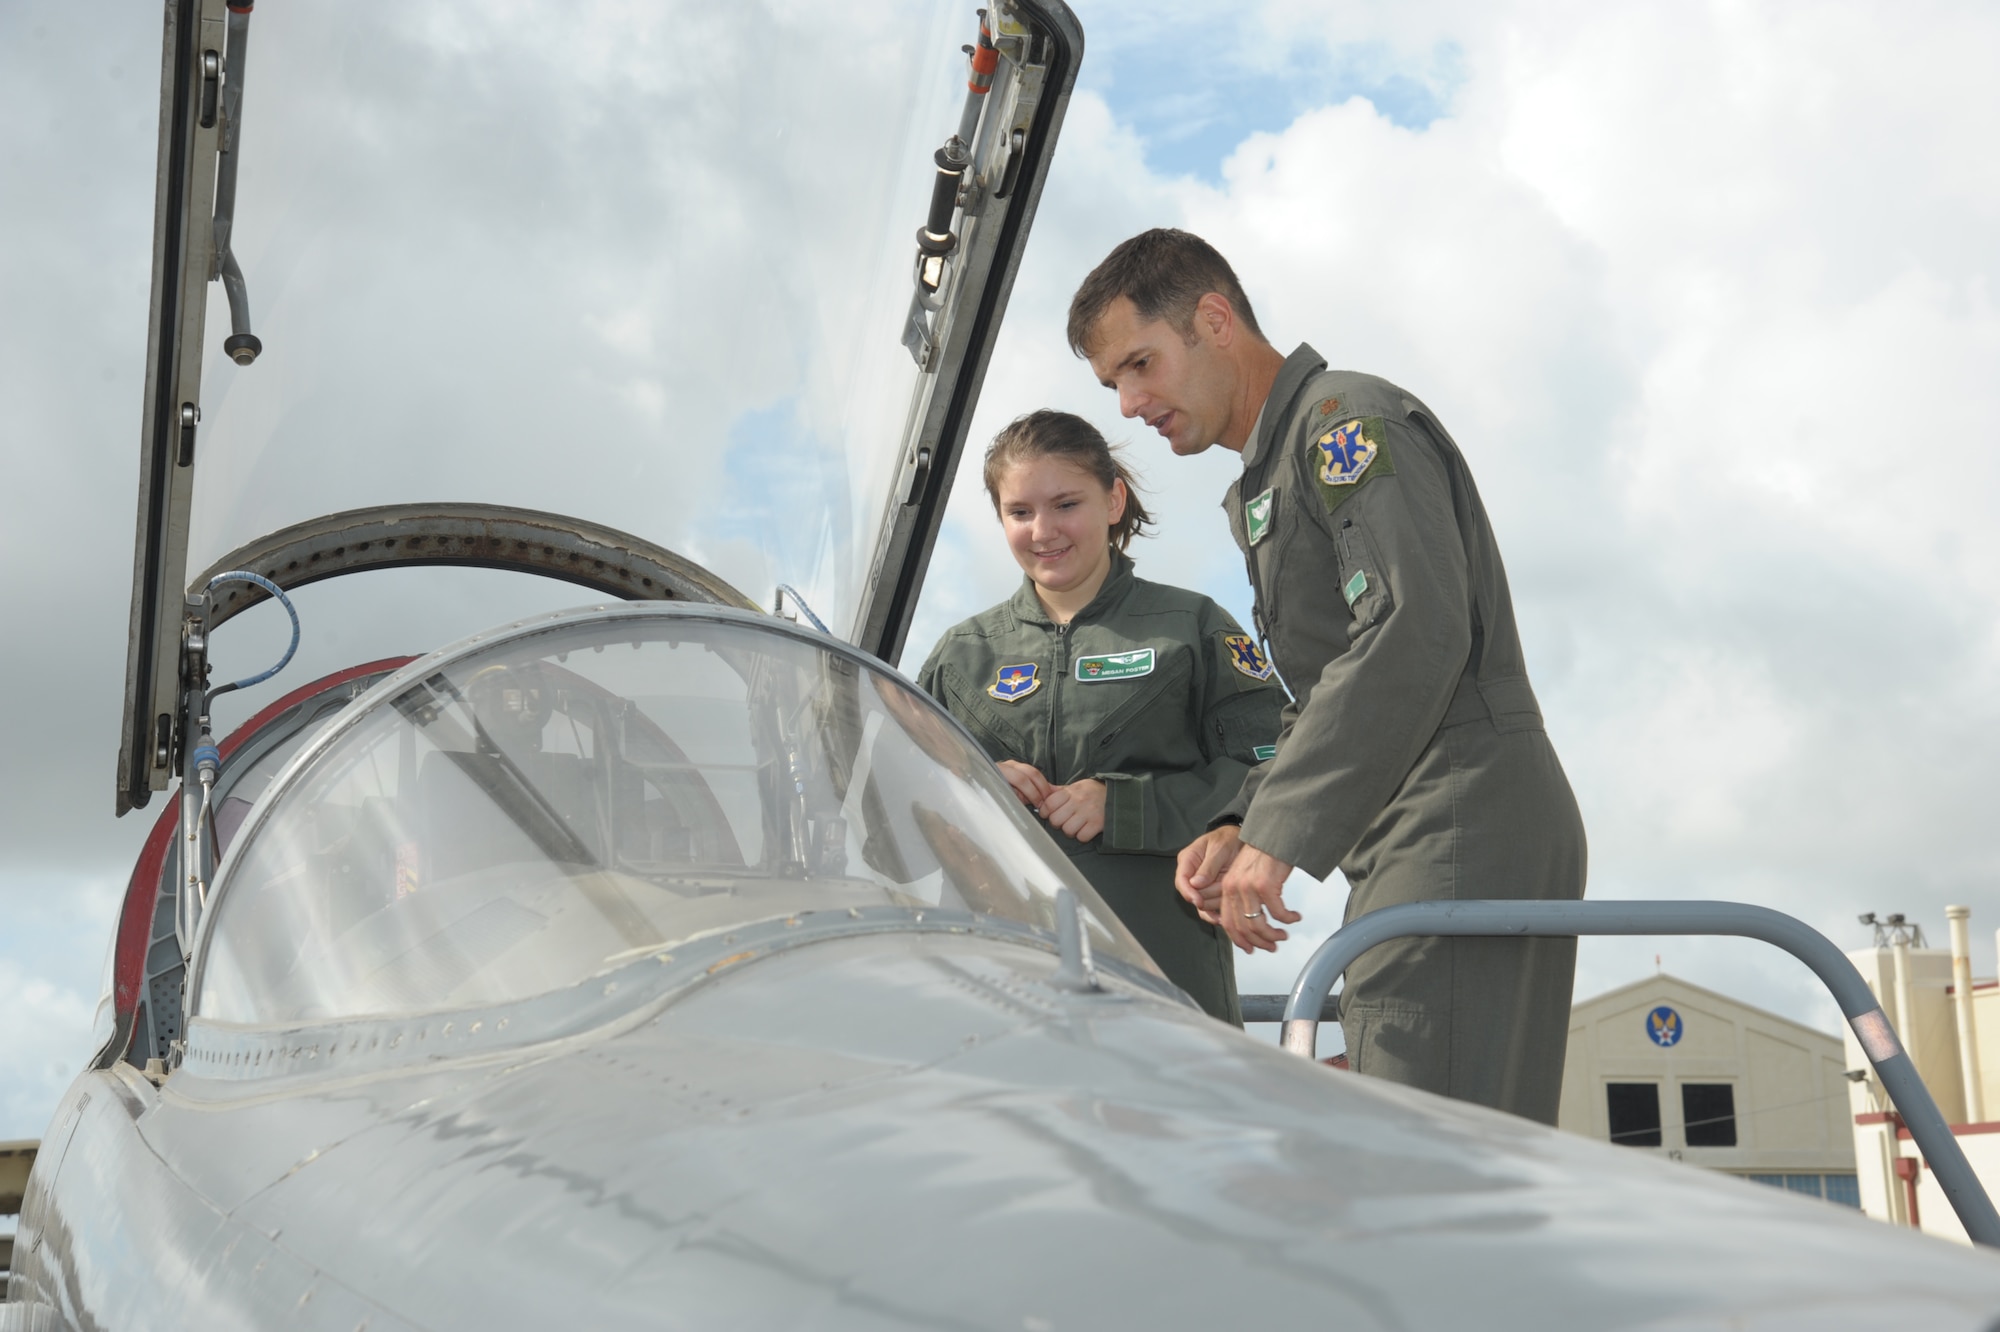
column 1077, row 809
column 1028, row 783
column 1199, row 868
column 1253, row 885
column 1233, row 884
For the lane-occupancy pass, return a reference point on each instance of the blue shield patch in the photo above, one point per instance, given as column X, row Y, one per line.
column 1246, row 656
column 1015, row 683
column 1345, row 452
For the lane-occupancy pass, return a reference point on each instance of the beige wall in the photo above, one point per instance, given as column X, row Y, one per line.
column 1929, row 1030
column 1986, row 1032
column 1934, row 1212
column 1792, row 1112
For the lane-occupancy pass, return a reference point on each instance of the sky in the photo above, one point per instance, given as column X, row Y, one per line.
column 1705, row 292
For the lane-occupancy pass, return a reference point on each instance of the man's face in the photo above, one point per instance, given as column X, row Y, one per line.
column 1179, row 387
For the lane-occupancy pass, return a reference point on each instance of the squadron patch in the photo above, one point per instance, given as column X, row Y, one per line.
column 1246, row 656
column 1348, row 454
column 1115, row 665
column 1345, row 452
column 1355, row 586
column 1257, row 516
column 1264, row 753
column 1015, row 683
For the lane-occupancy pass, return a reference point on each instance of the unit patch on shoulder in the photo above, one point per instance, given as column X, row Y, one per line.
column 1257, row 516
column 1115, row 665
column 1246, row 656
column 1347, row 454
column 1015, row 683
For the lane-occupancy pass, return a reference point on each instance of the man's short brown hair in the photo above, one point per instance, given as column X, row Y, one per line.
column 1164, row 273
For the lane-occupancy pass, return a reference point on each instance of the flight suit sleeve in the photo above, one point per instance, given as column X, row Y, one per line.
column 1386, row 554
column 1237, row 808
column 1235, row 715
column 927, row 677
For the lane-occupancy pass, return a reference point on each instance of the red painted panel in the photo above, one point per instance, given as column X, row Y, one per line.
column 142, row 892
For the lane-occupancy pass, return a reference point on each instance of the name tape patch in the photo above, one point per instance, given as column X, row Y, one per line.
column 1115, row 666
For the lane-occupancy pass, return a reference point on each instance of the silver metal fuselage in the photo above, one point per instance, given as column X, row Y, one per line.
column 879, row 1125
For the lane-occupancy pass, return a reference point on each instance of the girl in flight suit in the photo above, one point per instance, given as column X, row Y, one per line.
column 1125, row 713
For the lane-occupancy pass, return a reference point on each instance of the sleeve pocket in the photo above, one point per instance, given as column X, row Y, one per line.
column 1364, row 583
column 1244, row 724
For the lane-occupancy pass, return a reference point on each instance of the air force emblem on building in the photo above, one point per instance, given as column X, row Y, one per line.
column 1246, row 656
column 1345, row 452
column 1015, row 683
column 1664, row 1026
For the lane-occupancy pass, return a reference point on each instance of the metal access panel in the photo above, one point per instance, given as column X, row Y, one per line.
column 183, row 256
column 954, row 325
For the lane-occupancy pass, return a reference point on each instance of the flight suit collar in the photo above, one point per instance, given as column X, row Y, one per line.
column 1299, row 367
column 1028, row 608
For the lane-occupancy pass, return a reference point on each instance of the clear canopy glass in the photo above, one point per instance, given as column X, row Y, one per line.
column 643, row 264
column 528, row 814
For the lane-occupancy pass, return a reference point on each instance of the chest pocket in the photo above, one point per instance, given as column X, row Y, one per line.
column 1299, row 582
column 1005, row 729
column 1143, row 724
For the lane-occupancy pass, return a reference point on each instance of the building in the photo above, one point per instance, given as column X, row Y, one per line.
column 1669, row 1067
column 1950, row 1024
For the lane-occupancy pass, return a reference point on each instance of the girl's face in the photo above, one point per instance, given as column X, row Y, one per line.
column 1058, row 521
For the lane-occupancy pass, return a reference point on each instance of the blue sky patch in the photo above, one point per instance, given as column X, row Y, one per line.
column 1193, row 105
column 787, row 494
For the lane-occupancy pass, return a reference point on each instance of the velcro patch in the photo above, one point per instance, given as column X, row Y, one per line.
column 1355, row 586
column 1264, row 753
column 1257, row 516
column 1115, row 665
column 1014, row 683
column 1348, row 454
column 1246, row 656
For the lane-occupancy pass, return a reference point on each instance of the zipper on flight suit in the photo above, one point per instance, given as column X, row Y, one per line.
column 1257, row 601
column 1055, row 695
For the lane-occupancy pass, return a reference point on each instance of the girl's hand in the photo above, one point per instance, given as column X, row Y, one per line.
column 1028, row 783
column 1077, row 809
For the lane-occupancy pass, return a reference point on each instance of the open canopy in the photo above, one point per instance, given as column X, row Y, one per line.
column 658, row 267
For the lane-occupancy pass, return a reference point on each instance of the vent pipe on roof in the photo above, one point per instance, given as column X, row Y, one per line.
column 1906, row 1011
column 1961, row 993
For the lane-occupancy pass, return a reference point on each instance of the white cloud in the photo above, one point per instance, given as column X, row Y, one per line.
column 51, row 976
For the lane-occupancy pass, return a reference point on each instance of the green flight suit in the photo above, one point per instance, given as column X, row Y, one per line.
column 1413, row 755
column 1156, row 692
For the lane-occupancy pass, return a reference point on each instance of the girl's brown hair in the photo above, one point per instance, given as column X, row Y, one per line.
column 1052, row 434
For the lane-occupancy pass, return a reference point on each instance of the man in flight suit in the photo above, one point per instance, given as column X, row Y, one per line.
column 1412, row 755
